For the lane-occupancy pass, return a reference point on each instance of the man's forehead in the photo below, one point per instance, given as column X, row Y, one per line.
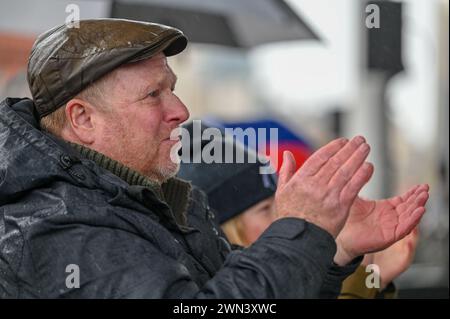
column 141, row 76
column 159, row 63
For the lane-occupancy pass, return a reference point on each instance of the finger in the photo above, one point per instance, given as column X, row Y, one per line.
column 415, row 201
column 410, row 240
column 420, row 189
column 321, row 156
column 422, row 198
column 407, row 224
column 411, row 244
column 398, row 200
column 287, row 169
column 406, row 205
column 418, row 199
column 345, row 173
column 352, row 189
column 335, row 162
column 411, row 191
column 416, row 216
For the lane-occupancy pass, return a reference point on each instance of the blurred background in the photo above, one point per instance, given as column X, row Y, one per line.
column 317, row 69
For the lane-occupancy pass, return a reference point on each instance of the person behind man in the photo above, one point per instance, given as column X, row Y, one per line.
column 90, row 208
column 242, row 200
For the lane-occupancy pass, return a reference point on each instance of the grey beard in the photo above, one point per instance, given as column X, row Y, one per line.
column 162, row 174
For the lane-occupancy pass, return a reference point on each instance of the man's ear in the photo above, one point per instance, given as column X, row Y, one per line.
column 80, row 117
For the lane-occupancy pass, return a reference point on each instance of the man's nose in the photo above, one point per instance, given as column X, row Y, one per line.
column 177, row 112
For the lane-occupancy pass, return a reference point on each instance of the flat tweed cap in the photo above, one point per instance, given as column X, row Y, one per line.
column 65, row 60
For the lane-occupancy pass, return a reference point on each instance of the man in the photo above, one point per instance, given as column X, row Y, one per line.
column 90, row 208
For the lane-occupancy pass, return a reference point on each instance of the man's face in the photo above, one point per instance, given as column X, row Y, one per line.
column 143, row 112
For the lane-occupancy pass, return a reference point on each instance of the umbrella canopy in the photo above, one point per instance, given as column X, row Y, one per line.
column 233, row 23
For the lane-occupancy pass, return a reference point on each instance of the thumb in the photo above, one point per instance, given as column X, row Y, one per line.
column 287, row 169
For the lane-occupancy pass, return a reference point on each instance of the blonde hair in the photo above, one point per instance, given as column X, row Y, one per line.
column 234, row 232
column 93, row 93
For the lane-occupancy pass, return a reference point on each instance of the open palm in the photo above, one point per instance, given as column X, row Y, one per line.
column 375, row 225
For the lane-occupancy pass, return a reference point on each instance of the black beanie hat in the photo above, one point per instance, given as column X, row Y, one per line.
column 231, row 187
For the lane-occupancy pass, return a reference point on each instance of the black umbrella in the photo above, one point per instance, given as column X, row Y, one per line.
column 234, row 23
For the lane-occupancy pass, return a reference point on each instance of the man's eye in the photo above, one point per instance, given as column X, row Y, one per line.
column 154, row 93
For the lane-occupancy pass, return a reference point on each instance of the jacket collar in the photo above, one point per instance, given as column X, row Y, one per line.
column 174, row 192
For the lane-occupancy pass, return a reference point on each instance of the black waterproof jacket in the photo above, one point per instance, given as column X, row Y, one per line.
column 59, row 211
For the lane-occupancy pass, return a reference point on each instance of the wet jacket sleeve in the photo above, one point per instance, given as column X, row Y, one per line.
column 290, row 260
column 336, row 275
